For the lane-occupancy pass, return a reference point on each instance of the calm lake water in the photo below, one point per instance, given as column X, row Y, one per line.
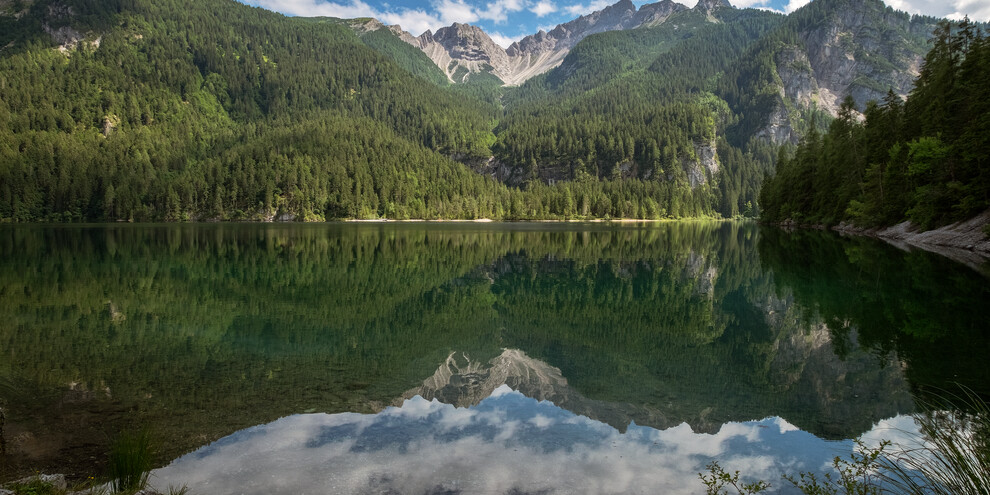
column 474, row 358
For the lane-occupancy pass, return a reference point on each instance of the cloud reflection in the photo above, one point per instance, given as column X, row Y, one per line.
column 507, row 443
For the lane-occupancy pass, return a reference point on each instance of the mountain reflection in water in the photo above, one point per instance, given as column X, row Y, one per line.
column 199, row 331
column 508, row 443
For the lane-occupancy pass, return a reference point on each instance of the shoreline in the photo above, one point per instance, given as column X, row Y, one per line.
column 489, row 220
column 386, row 220
column 965, row 242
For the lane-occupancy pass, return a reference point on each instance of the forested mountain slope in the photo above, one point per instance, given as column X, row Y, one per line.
column 140, row 111
column 923, row 160
column 462, row 50
column 646, row 109
column 182, row 110
column 823, row 52
column 703, row 98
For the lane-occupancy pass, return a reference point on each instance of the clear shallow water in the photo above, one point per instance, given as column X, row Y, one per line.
column 199, row 332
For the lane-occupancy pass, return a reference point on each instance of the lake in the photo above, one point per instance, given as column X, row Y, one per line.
column 466, row 357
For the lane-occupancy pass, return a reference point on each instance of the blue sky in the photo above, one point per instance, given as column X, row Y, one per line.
column 510, row 20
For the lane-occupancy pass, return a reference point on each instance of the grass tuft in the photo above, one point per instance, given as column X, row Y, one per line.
column 954, row 456
column 130, row 461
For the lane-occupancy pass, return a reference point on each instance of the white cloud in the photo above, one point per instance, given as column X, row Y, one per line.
column 585, row 9
column 978, row 10
column 452, row 11
column 543, row 8
column 413, row 21
column 315, row 8
column 502, row 389
column 756, row 4
column 793, row 5
column 770, row 9
column 503, row 40
column 745, row 4
column 513, row 444
column 498, row 11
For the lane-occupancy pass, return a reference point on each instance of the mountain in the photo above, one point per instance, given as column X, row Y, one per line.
column 461, row 50
column 818, row 385
column 822, row 53
column 178, row 110
column 110, row 111
column 739, row 82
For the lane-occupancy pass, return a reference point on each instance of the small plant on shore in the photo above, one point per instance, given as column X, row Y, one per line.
column 954, row 456
column 130, row 461
column 36, row 486
column 856, row 476
column 718, row 479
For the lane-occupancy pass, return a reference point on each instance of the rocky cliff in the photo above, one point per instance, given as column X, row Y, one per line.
column 462, row 49
column 860, row 49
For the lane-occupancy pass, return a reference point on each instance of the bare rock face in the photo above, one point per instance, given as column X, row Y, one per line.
column 365, row 25
column 709, row 6
column 65, row 37
column 460, row 49
column 841, row 52
column 653, row 14
column 703, row 166
column 778, row 128
column 861, row 50
column 798, row 77
column 497, row 170
column 621, row 15
column 403, row 35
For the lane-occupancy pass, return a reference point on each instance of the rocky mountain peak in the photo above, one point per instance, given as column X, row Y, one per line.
column 710, row 6
column 463, row 46
column 617, row 16
column 459, row 50
column 653, row 14
column 467, row 41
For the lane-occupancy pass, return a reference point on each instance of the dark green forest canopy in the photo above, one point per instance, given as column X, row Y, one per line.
column 923, row 160
column 641, row 103
column 164, row 109
column 178, row 110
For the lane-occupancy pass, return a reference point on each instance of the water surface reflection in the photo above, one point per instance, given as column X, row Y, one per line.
column 200, row 331
column 507, row 443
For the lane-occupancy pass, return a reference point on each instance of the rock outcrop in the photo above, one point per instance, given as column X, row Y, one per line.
column 966, row 242
column 703, row 165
